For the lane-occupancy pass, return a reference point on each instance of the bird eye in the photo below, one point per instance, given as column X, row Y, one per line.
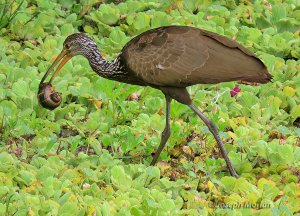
column 67, row 46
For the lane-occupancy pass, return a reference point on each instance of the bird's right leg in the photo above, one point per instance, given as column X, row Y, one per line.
column 166, row 132
column 214, row 130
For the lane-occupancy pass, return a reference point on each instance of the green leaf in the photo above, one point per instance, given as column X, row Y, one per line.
column 275, row 103
column 289, row 91
column 278, row 13
column 268, row 187
column 295, row 112
column 167, row 205
column 159, row 19
column 44, row 173
column 108, row 14
column 6, row 158
column 45, row 4
column 281, row 154
column 138, row 23
column 248, row 100
column 20, row 88
column 68, row 209
column 228, row 183
column 89, row 29
column 120, row 179
column 49, row 146
column 153, row 173
column 27, row 177
column 2, row 208
column 95, row 144
column 67, row 29
column 8, row 108
column 249, row 34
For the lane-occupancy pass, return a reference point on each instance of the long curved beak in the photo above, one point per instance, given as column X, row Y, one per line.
column 62, row 56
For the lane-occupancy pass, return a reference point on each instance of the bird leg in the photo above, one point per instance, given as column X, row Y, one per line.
column 166, row 132
column 214, row 130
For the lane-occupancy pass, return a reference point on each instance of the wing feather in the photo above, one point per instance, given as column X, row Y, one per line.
column 180, row 56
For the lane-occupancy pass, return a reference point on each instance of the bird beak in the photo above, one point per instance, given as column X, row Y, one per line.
column 62, row 56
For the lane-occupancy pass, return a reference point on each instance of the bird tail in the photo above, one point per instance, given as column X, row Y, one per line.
column 262, row 77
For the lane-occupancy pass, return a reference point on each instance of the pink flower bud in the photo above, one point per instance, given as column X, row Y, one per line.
column 234, row 91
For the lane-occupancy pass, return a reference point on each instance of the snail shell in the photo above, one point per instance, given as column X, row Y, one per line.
column 48, row 98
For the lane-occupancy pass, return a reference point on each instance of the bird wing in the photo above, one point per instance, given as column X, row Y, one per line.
column 180, row 56
column 165, row 56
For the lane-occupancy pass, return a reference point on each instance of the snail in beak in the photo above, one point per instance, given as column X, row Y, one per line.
column 48, row 97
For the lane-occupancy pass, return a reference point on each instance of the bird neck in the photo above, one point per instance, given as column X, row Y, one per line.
column 101, row 66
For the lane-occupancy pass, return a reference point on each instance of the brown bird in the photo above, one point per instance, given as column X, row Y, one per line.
column 171, row 58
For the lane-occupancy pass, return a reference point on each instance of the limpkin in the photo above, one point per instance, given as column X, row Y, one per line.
column 170, row 58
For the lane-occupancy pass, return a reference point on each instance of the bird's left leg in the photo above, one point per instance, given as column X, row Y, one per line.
column 166, row 132
column 214, row 130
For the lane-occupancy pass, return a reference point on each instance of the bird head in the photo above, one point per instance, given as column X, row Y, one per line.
column 75, row 44
column 78, row 44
